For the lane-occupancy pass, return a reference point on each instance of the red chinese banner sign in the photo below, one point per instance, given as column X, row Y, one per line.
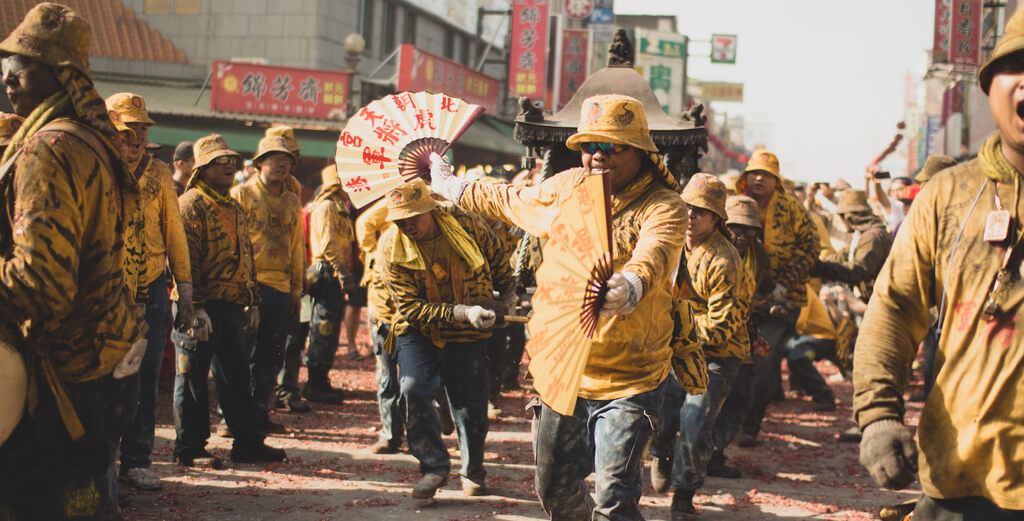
column 965, row 39
column 420, row 70
column 528, row 53
column 957, row 37
column 943, row 19
column 279, row 91
column 575, row 61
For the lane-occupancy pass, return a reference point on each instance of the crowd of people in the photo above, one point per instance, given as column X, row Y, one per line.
column 715, row 281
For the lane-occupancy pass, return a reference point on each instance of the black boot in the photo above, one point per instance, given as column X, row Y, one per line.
column 318, row 389
column 718, row 468
column 682, row 506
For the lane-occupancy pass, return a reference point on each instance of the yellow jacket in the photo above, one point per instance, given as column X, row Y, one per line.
column 62, row 272
column 136, row 276
column 370, row 227
column 275, row 229
column 419, row 294
column 972, row 423
column 330, row 233
column 629, row 354
column 165, row 236
column 791, row 240
column 218, row 246
column 722, row 288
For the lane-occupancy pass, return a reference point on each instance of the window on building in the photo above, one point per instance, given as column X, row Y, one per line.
column 449, row 45
column 410, row 27
column 387, row 33
column 367, row 26
column 187, row 6
column 156, row 7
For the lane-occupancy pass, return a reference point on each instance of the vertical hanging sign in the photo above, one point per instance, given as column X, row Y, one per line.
column 528, row 64
column 943, row 19
column 965, row 33
column 574, row 63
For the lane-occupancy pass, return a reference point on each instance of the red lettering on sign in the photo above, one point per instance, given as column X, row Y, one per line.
column 370, row 116
column 449, row 104
column 389, row 131
column 372, row 157
column 357, row 184
column 349, row 140
column 403, row 101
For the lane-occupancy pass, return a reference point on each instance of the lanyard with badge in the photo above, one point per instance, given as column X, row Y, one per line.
column 997, row 230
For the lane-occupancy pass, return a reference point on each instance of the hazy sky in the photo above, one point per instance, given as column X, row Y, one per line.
column 824, row 81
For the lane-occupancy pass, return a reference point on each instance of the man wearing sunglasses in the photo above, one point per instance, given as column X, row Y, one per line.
column 226, row 302
column 626, row 372
column 959, row 249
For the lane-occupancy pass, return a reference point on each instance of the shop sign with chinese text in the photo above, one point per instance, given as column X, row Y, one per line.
column 943, row 24
column 660, row 60
column 579, row 9
column 528, row 53
column 574, row 63
column 420, row 70
column 279, row 91
column 721, row 91
column 965, row 33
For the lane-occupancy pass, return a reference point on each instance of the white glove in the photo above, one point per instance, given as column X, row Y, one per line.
column 129, row 365
column 625, row 289
column 202, row 326
column 779, row 293
column 186, row 310
column 477, row 316
column 443, row 181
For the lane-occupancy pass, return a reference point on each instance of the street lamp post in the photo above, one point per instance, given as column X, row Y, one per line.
column 354, row 46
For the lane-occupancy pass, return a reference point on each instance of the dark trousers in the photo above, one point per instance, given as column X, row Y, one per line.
column 227, row 354
column 803, row 350
column 389, row 392
column 734, row 410
column 767, row 379
column 268, row 349
column 324, row 327
column 463, row 367
column 696, row 424
column 497, row 358
column 45, row 476
column 602, row 436
column 137, row 444
column 516, row 346
column 294, row 344
column 963, row 509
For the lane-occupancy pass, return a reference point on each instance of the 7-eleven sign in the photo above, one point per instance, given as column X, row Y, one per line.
column 723, row 48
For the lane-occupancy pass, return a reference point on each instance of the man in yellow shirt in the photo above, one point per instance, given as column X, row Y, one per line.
column 226, row 301
column 165, row 246
column 274, row 216
column 627, row 370
column 958, row 249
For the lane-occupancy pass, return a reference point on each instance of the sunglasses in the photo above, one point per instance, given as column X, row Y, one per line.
column 591, row 147
column 226, row 160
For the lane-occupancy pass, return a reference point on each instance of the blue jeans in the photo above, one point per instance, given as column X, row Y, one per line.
column 324, row 327
column 734, row 410
column 227, row 354
column 696, row 422
column 603, row 436
column 137, row 443
column 294, row 344
column 767, row 379
column 268, row 350
column 803, row 350
column 463, row 367
column 389, row 394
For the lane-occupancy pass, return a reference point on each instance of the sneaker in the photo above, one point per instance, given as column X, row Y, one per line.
column 140, row 478
column 223, row 430
column 261, row 453
column 824, row 405
column 721, row 470
column 472, row 488
column 322, row 392
column 427, row 486
column 293, row 402
column 198, row 458
column 746, row 440
column 661, row 474
column 385, row 447
column 682, row 506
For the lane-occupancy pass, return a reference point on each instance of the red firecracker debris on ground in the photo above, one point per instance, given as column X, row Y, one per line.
column 800, row 470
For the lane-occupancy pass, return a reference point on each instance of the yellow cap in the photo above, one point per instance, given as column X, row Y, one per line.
column 288, row 134
column 742, row 210
column 329, row 176
column 708, row 192
column 131, row 107
column 760, row 161
column 52, row 34
column 205, row 150
column 613, row 118
column 409, row 200
column 9, row 125
column 272, row 144
column 1011, row 42
column 853, row 201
